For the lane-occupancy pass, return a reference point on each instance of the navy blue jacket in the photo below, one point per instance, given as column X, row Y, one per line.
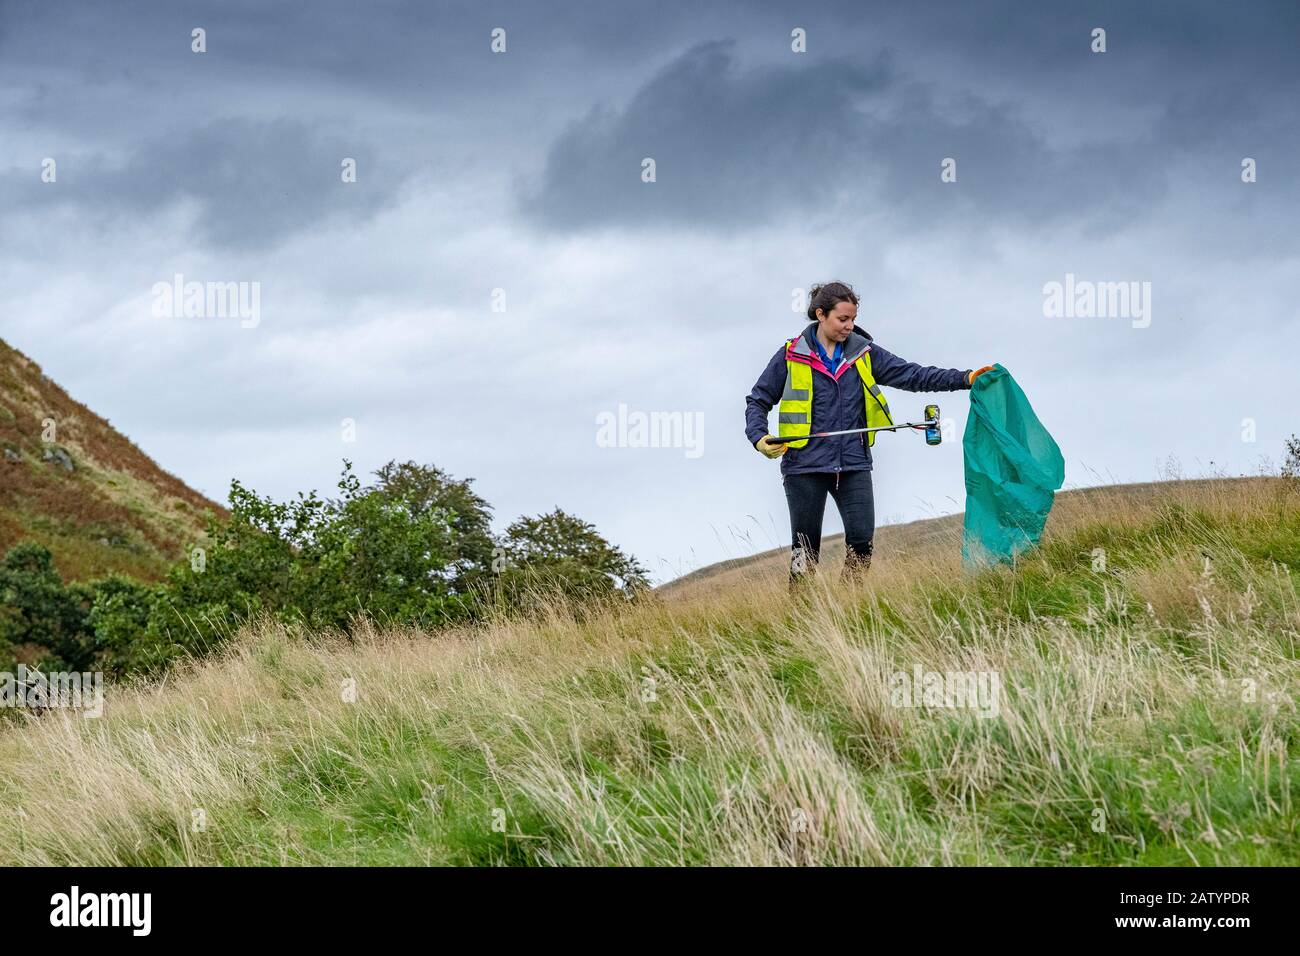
column 838, row 404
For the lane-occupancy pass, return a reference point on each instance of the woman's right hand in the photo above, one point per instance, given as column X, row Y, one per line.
column 770, row 450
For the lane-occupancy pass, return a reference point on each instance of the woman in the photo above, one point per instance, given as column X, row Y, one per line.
column 828, row 379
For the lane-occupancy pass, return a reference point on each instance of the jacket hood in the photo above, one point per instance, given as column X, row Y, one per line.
column 857, row 342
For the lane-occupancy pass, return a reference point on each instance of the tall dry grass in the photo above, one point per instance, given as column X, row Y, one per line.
column 1147, row 715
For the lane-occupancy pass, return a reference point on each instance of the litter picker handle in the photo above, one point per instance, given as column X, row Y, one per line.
column 933, row 435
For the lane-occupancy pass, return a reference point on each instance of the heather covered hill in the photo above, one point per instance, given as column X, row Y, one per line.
column 72, row 482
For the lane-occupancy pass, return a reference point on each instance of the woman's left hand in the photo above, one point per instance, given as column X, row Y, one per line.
column 977, row 373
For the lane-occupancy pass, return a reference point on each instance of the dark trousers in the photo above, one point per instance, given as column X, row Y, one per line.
column 806, row 496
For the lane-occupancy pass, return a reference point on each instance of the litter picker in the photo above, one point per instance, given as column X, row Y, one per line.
column 933, row 433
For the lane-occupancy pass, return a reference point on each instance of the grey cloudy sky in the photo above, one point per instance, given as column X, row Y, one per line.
column 521, row 171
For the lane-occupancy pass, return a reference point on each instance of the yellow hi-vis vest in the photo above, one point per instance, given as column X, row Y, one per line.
column 794, row 414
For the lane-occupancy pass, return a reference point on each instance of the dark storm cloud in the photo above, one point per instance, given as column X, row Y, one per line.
column 114, row 93
column 859, row 124
column 863, row 123
column 419, row 54
column 256, row 183
column 733, row 146
column 1169, row 43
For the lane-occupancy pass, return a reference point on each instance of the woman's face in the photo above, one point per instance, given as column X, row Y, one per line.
column 838, row 326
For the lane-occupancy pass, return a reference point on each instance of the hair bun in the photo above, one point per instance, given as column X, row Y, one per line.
column 829, row 294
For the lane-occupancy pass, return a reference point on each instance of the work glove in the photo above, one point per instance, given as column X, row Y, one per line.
column 770, row 450
column 977, row 373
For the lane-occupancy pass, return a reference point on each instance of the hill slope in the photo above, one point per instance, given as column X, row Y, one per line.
column 71, row 481
column 1147, row 657
column 934, row 535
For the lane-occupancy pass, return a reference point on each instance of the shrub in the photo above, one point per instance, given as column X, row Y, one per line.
column 37, row 610
column 413, row 548
column 558, row 553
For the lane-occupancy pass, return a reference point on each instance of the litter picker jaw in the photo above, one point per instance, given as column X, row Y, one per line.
column 933, row 432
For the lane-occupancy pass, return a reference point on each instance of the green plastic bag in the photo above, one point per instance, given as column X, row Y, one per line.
column 1013, row 469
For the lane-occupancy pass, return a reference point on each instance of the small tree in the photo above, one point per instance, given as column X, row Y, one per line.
column 404, row 550
column 391, row 552
column 423, row 489
column 558, row 552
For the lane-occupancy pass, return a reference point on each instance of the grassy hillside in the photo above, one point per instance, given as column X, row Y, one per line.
column 927, row 535
column 69, row 480
column 1147, row 655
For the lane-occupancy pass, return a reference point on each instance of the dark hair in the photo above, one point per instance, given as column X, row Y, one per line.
column 826, row 297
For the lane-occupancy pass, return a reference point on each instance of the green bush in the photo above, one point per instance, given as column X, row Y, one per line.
column 558, row 554
column 394, row 551
column 414, row 547
column 119, row 617
column 38, row 611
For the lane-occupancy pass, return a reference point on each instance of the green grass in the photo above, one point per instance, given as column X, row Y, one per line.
column 1148, row 717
